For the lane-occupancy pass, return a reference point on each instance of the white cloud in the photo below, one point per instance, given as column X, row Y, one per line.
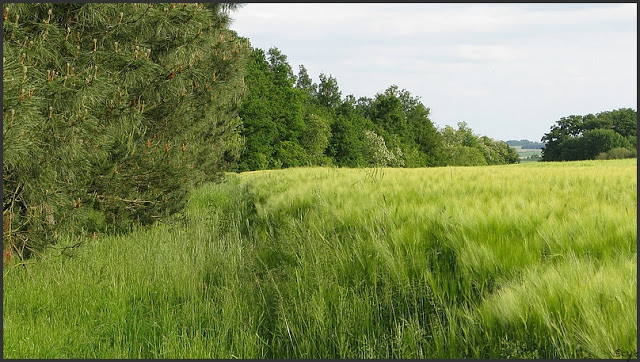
column 499, row 53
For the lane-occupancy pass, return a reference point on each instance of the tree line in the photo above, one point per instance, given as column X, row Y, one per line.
column 288, row 120
column 526, row 144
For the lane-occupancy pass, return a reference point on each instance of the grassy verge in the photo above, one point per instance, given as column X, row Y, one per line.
column 536, row 260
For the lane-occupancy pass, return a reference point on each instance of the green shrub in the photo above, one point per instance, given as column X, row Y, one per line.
column 616, row 153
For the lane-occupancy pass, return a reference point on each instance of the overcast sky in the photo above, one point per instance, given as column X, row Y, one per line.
column 509, row 70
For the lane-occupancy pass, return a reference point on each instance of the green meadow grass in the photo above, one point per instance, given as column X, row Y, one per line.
column 537, row 260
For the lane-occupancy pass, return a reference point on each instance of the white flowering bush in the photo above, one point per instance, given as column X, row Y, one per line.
column 377, row 154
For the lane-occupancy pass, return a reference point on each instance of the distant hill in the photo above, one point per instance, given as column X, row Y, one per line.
column 525, row 144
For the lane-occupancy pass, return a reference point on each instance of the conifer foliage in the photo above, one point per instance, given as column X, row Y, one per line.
column 111, row 112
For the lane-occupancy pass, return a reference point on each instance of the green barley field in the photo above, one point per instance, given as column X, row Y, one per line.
column 536, row 260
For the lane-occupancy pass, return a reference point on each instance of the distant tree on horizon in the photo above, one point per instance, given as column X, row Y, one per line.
column 525, row 144
column 585, row 137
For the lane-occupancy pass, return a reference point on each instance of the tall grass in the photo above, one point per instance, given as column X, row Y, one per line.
column 519, row 261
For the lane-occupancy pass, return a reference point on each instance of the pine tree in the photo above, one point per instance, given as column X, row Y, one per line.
column 112, row 111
